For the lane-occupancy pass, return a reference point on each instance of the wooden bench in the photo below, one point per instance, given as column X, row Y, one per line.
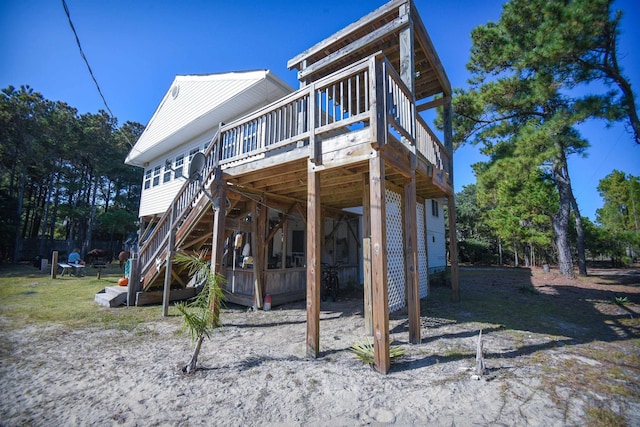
column 76, row 269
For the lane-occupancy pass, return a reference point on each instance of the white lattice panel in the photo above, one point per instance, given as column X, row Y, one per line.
column 423, row 267
column 395, row 250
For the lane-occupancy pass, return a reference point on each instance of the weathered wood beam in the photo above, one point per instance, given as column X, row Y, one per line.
column 433, row 104
column 258, row 225
column 377, row 87
column 364, row 22
column 451, row 206
column 218, row 235
column 411, row 260
column 366, row 254
column 168, row 264
column 380, row 289
column 407, row 53
column 367, row 40
column 314, row 255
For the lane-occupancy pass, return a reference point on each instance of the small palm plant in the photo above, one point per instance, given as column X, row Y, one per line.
column 621, row 300
column 201, row 315
column 365, row 352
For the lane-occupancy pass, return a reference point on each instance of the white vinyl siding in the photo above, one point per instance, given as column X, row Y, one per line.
column 436, row 242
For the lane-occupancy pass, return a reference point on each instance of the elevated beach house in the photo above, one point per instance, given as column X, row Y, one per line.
column 342, row 171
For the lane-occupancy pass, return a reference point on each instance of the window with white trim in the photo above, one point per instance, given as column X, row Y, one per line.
column 156, row 175
column 435, row 208
column 147, row 179
column 166, row 176
column 179, row 165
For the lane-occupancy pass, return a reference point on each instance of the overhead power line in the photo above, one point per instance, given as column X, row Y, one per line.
column 86, row 61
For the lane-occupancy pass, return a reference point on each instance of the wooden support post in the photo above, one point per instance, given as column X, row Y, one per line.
column 134, row 280
column 258, row 223
column 366, row 254
column 314, row 154
column 168, row 265
column 407, row 52
column 218, row 235
column 378, row 105
column 451, row 206
column 382, row 361
column 411, row 260
column 54, row 264
column 314, row 252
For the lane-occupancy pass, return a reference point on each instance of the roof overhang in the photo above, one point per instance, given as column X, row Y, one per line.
column 195, row 105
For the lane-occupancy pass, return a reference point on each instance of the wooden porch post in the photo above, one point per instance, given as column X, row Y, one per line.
column 134, row 280
column 451, row 206
column 169, row 265
column 219, row 217
column 258, row 228
column 411, row 257
column 382, row 361
column 366, row 255
column 314, row 218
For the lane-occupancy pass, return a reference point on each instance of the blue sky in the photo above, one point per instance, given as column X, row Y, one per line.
column 136, row 47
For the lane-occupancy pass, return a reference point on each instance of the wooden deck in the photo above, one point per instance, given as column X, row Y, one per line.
column 350, row 132
column 327, row 123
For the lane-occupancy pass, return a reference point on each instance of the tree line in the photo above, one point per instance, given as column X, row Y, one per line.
column 544, row 68
column 62, row 175
column 502, row 235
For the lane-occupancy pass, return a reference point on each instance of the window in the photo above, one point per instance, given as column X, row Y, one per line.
column 179, row 164
column 156, row 175
column 435, row 210
column 147, row 179
column 193, row 153
column 166, row 177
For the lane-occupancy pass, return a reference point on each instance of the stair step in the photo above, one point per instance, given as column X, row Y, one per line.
column 116, row 290
column 112, row 296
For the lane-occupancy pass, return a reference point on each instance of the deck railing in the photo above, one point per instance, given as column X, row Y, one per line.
column 337, row 103
column 428, row 144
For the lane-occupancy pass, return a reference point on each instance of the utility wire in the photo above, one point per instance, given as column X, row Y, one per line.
column 86, row 61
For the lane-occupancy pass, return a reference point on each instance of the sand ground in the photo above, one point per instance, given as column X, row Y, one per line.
column 254, row 371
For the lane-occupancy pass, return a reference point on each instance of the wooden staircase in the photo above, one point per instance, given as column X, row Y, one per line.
column 187, row 225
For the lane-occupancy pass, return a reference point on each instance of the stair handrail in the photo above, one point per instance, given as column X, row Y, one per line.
column 154, row 245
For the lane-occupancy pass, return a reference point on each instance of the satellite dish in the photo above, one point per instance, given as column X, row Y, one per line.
column 196, row 166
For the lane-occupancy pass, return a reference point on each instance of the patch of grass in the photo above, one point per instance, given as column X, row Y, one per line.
column 29, row 297
column 600, row 416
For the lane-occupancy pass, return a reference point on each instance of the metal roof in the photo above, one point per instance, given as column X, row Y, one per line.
column 195, row 104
